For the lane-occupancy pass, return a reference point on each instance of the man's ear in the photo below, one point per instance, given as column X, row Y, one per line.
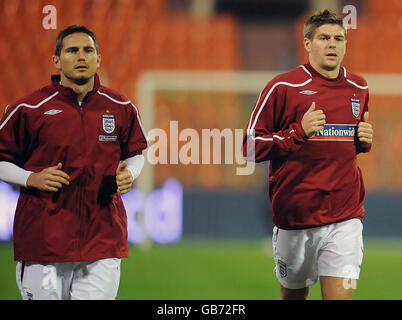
column 56, row 62
column 307, row 44
column 99, row 60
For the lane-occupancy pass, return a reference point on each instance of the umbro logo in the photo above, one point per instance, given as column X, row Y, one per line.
column 53, row 112
column 308, row 92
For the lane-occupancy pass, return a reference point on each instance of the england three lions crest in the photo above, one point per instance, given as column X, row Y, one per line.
column 355, row 106
column 108, row 123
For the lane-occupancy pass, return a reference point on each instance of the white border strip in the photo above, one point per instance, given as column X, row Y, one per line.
column 28, row 106
column 250, row 128
column 305, row 69
column 268, row 139
column 114, row 100
column 355, row 84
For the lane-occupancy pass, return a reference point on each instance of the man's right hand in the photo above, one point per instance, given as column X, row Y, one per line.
column 313, row 120
column 49, row 179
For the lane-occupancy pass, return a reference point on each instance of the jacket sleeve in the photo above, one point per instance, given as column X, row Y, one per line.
column 264, row 138
column 133, row 140
column 359, row 148
column 13, row 138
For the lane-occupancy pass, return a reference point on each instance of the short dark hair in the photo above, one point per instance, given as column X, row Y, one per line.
column 70, row 30
column 319, row 19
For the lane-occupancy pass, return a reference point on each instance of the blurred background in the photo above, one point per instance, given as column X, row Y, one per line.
column 200, row 231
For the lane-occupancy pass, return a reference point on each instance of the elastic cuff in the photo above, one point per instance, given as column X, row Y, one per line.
column 26, row 176
column 299, row 131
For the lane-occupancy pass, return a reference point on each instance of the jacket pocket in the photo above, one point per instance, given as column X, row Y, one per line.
column 274, row 179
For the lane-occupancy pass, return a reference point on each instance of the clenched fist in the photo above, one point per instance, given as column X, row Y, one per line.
column 313, row 120
column 124, row 180
column 365, row 132
column 49, row 179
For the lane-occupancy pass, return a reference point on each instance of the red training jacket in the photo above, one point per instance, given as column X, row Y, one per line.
column 312, row 181
column 86, row 219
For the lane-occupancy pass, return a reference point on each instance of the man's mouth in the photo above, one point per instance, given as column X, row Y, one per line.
column 81, row 67
column 331, row 55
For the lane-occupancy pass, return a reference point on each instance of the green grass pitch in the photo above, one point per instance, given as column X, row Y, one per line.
column 224, row 270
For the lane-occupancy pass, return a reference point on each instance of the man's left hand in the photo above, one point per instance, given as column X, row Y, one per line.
column 124, row 180
column 365, row 132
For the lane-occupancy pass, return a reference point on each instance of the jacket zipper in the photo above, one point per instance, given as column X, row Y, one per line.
column 81, row 191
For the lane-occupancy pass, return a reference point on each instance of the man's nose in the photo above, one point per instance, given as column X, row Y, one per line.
column 81, row 55
column 332, row 43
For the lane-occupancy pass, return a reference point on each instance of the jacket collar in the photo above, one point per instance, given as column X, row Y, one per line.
column 316, row 73
column 68, row 92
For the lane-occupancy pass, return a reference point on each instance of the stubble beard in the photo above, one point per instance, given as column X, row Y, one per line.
column 329, row 67
column 78, row 81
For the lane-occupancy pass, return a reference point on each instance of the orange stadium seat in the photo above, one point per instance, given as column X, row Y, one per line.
column 133, row 35
column 379, row 8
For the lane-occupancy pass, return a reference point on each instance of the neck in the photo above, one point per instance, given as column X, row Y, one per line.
column 329, row 73
column 80, row 90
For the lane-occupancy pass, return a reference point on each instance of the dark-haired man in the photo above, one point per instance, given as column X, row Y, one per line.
column 311, row 122
column 73, row 146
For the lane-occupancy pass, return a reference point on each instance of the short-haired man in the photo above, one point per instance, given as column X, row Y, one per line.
column 311, row 122
column 73, row 146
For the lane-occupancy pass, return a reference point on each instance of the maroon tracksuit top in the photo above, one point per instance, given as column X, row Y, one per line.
column 86, row 219
column 312, row 181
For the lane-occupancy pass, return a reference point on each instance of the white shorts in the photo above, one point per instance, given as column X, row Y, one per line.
column 301, row 256
column 87, row 280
